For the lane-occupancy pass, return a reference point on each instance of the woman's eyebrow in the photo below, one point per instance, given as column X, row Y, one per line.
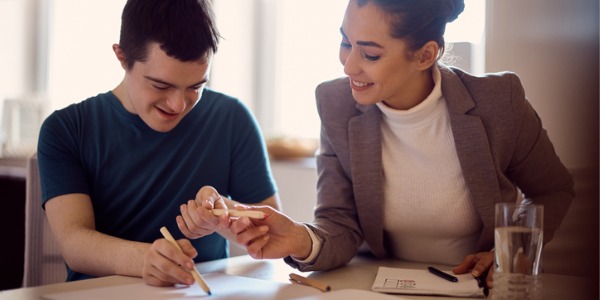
column 362, row 43
column 368, row 44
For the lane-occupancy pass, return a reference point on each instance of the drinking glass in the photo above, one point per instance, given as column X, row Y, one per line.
column 518, row 237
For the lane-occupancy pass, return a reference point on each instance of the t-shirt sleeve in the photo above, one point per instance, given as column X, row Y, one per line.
column 251, row 178
column 60, row 167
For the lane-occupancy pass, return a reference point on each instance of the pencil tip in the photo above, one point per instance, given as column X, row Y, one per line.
column 209, row 293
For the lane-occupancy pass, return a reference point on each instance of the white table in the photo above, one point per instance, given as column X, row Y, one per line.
column 358, row 274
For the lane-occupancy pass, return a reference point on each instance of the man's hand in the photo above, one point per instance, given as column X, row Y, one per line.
column 197, row 220
column 165, row 265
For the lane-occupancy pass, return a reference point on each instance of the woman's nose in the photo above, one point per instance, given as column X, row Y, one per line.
column 350, row 65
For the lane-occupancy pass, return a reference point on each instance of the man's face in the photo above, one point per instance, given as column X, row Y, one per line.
column 162, row 90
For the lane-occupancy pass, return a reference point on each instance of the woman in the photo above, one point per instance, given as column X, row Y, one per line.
column 414, row 154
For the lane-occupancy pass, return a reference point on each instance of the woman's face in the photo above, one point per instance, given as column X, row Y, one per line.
column 379, row 66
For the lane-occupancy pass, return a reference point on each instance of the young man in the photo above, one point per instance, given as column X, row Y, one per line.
column 118, row 166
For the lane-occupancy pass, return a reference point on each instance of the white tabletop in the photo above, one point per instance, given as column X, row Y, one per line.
column 358, row 274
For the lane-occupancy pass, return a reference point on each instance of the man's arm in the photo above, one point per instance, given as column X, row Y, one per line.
column 88, row 251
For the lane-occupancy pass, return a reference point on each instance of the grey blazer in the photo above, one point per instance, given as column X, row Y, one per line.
column 500, row 142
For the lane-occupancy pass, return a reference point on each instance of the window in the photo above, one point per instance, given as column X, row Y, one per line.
column 81, row 60
column 13, row 59
column 275, row 67
column 275, row 53
column 272, row 56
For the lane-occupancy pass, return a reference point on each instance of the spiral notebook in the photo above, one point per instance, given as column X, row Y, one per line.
column 422, row 282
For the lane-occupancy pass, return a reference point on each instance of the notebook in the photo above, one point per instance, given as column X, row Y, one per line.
column 423, row 282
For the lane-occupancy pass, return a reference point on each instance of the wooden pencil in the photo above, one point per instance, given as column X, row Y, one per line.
column 165, row 232
column 254, row 214
column 309, row 282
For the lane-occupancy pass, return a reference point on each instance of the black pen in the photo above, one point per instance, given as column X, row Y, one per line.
column 442, row 274
column 482, row 283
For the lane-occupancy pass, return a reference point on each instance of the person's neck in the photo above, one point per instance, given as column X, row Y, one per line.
column 420, row 89
column 120, row 92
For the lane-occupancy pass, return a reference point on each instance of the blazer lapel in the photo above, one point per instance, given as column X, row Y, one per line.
column 367, row 174
column 472, row 147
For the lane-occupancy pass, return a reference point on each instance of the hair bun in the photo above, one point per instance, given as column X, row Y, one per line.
column 453, row 9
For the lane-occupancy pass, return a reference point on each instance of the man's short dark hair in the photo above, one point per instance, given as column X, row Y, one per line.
column 184, row 29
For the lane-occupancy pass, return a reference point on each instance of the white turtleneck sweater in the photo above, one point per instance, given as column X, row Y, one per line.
column 428, row 214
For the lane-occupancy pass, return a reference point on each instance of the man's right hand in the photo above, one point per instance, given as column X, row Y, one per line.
column 165, row 265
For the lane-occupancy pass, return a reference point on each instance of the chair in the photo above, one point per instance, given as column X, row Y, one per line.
column 44, row 263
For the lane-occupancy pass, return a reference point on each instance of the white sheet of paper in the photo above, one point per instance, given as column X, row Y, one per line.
column 422, row 282
column 222, row 286
column 350, row 294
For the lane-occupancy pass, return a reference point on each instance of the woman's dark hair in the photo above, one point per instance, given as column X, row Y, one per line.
column 184, row 29
column 419, row 21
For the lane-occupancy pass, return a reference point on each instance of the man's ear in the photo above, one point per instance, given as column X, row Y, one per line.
column 120, row 56
column 428, row 55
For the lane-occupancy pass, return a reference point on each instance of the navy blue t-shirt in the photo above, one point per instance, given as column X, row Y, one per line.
column 137, row 177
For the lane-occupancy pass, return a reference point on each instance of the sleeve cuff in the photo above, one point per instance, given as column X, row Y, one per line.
column 316, row 247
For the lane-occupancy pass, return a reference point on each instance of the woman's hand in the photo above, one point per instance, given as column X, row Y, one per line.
column 478, row 264
column 275, row 236
column 197, row 220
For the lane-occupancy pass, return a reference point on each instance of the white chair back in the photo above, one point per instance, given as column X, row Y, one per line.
column 44, row 263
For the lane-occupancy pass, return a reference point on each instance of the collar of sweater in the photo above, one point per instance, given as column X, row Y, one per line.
column 421, row 114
